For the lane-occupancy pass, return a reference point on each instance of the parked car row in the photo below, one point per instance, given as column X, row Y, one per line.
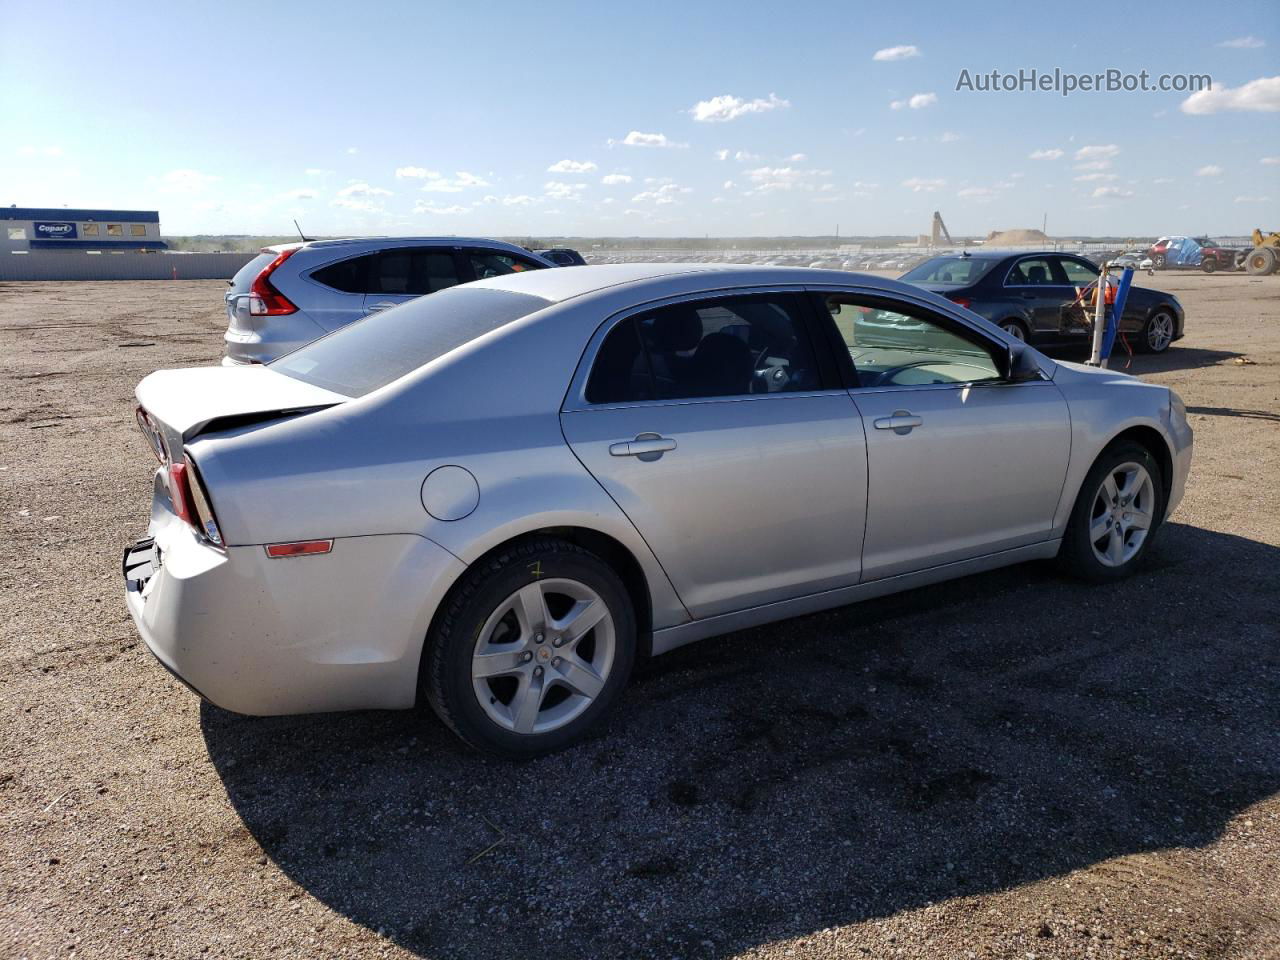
column 495, row 498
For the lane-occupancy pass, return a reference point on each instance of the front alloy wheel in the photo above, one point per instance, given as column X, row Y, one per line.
column 1116, row 515
column 531, row 648
column 1159, row 332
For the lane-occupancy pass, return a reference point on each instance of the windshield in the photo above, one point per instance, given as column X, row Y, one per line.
column 951, row 271
column 383, row 347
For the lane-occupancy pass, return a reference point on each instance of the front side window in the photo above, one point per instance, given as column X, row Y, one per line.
column 89, row 229
column 735, row 346
column 489, row 264
column 1030, row 273
column 115, row 230
column 138, row 229
column 1078, row 274
column 894, row 345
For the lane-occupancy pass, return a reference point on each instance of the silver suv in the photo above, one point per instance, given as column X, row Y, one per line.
column 292, row 293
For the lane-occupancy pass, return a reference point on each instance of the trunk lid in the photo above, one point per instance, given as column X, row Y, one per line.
column 185, row 403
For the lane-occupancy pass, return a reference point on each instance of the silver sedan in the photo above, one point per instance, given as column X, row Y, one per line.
column 496, row 498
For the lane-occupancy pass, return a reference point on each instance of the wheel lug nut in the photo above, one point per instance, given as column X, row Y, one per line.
column 538, row 639
column 527, row 657
column 537, row 671
column 555, row 662
column 557, row 641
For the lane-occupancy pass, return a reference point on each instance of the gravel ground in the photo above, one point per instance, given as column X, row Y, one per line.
column 1012, row 765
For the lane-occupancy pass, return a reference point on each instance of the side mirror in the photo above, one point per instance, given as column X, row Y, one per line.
column 1022, row 364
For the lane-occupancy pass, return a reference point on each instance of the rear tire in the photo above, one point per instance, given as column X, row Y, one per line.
column 1260, row 262
column 531, row 649
column 1208, row 265
column 1106, row 539
column 1015, row 329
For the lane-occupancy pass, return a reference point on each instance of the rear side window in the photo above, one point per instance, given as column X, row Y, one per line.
column 715, row 348
column 1077, row 273
column 347, row 276
column 383, row 347
column 489, row 264
column 956, row 271
column 1030, row 273
column 244, row 277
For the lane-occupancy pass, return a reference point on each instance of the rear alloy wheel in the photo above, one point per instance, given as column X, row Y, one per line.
column 531, row 649
column 1157, row 262
column 1015, row 329
column 1116, row 514
column 1158, row 333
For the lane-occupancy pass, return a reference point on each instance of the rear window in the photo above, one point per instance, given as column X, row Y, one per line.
column 383, row 347
column 243, row 279
column 955, row 271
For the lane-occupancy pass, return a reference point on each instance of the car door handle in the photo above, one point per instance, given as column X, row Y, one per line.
column 384, row 305
column 647, row 446
column 902, row 421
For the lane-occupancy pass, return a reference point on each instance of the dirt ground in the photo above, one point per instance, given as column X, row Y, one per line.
column 1012, row 765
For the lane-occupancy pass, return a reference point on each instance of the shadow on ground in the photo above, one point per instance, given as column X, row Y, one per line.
column 1175, row 358
column 954, row 740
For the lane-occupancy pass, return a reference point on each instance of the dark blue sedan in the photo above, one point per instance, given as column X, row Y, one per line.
column 1033, row 295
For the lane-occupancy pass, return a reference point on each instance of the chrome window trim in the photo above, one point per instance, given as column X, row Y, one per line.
column 575, row 400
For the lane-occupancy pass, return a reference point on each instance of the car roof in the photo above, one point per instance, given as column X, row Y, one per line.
column 569, row 282
column 381, row 242
column 1002, row 254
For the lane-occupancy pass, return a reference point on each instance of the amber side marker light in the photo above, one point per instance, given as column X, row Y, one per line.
column 303, row 548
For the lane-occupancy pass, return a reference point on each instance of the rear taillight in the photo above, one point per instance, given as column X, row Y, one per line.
column 264, row 299
column 961, row 301
column 155, row 439
column 191, row 502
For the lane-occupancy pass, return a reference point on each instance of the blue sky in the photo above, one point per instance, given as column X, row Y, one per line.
column 658, row 119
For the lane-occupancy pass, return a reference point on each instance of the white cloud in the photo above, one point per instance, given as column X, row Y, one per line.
column 796, row 158
column 977, row 193
column 742, row 156
column 353, row 150
column 317, row 172
column 355, row 203
column 770, row 179
column 571, row 166
column 186, row 181
column 665, row 194
column 1051, row 154
column 30, row 151
column 456, row 184
column 949, row 137
column 637, row 139
column 518, row 200
column 1270, row 161
column 302, row 193
column 1103, row 192
column 363, row 190
column 1096, row 152
column 1093, row 177
column 1163, row 180
column 728, row 185
column 1256, row 96
column 1209, row 170
column 916, row 102
column 723, row 108
column 425, row 206
column 1253, row 200
column 415, row 173
column 558, row 190
column 904, row 52
column 922, row 185
column 1243, row 43
column 613, row 179
column 722, row 154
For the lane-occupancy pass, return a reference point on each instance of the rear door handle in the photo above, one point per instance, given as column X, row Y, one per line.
column 902, row 421
column 647, row 446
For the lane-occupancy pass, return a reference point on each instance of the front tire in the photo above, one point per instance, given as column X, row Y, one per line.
column 1260, row 262
column 1116, row 515
column 1157, row 333
column 531, row 649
